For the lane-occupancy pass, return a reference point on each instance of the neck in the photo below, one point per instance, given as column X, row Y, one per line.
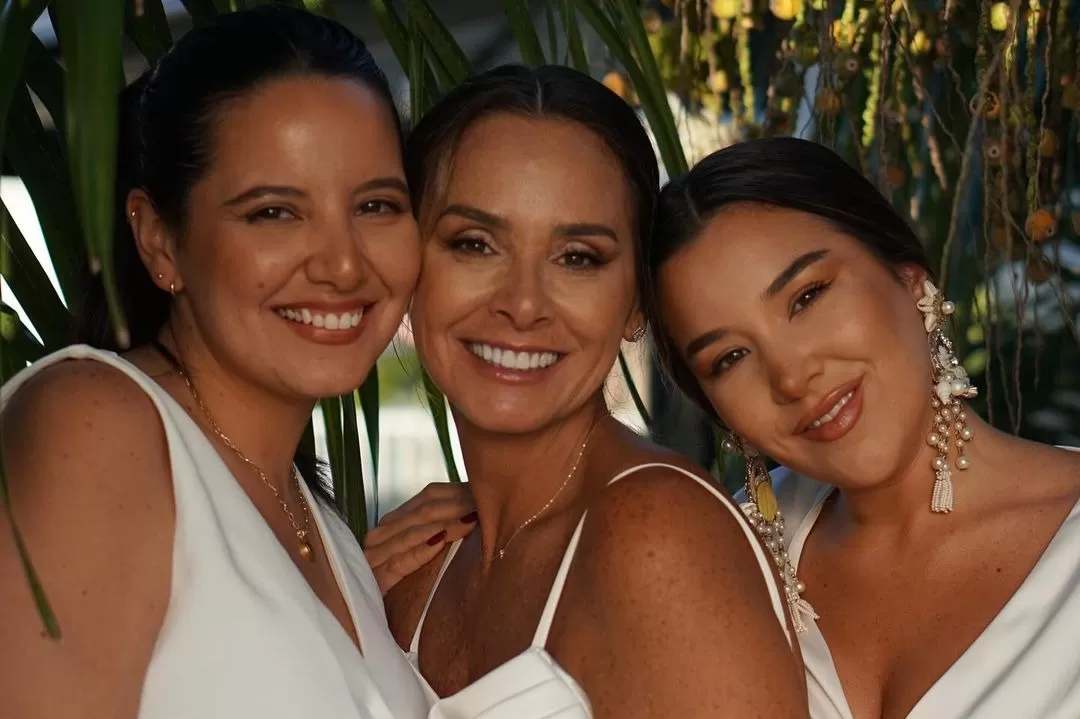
column 513, row 476
column 900, row 505
column 265, row 427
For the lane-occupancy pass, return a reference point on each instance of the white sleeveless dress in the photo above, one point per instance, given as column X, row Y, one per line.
column 244, row 636
column 1024, row 665
column 532, row 685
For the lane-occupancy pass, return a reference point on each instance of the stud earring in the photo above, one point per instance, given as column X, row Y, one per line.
column 639, row 334
column 951, row 384
column 172, row 287
column 161, row 275
column 763, row 513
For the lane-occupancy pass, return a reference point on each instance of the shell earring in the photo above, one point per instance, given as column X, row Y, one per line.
column 951, row 384
column 763, row 513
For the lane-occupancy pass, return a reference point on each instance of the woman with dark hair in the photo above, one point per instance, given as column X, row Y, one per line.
column 532, row 187
column 940, row 556
column 268, row 254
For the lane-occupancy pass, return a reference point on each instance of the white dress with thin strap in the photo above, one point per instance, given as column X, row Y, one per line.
column 244, row 636
column 1024, row 665
column 532, row 685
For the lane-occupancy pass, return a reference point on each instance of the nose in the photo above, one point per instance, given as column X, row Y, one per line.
column 337, row 257
column 791, row 369
column 522, row 296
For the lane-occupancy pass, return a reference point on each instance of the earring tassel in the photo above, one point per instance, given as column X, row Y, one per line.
column 942, row 499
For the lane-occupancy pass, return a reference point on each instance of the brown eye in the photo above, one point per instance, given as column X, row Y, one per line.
column 726, row 362
column 471, row 246
column 270, row 214
column 379, row 207
column 807, row 297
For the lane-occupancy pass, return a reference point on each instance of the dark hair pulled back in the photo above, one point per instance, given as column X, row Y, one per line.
column 166, row 138
column 167, row 123
column 781, row 172
column 550, row 92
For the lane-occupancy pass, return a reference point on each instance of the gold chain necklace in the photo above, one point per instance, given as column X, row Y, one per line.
column 305, row 549
column 502, row 552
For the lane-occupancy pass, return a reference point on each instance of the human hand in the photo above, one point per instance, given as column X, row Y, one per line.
column 414, row 533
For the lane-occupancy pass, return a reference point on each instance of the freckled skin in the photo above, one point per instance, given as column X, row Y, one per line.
column 664, row 594
column 901, row 592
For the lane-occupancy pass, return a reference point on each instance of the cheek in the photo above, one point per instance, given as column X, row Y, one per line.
column 394, row 255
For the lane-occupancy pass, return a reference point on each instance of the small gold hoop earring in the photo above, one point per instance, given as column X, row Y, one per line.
column 172, row 287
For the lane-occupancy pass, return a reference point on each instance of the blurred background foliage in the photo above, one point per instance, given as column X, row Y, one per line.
column 963, row 113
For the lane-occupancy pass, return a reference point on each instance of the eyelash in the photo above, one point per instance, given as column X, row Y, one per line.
column 583, row 261
column 807, row 297
column 275, row 213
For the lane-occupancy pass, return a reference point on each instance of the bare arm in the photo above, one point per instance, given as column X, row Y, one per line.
column 666, row 611
column 89, row 476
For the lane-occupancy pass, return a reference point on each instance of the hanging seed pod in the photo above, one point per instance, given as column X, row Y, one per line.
column 995, row 152
column 805, row 44
column 1000, row 13
column 828, row 102
column 1048, row 143
column 785, row 9
column 618, row 84
column 846, row 63
column 991, row 108
column 718, row 81
column 652, row 22
column 726, row 9
column 921, row 43
column 1040, row 225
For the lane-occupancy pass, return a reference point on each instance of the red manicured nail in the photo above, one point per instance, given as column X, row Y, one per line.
column 470, row 518
column 436, row 539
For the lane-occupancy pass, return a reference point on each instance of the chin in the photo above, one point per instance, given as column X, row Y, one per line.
column 318, row 378
column 503, row 419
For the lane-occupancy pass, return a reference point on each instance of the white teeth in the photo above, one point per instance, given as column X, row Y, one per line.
column 327, row 320
column 513, row 360
column 831, row 414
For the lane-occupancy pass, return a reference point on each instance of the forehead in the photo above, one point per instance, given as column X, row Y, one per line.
column 306, row 125
column 541, row 169
column 739, row 253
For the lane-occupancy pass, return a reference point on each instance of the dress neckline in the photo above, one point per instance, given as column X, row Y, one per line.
column 815, row 640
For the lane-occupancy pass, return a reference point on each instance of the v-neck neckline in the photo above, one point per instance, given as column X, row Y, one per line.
column 831, row 682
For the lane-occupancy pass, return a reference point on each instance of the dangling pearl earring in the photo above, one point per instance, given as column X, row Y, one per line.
column 951, row 384
column 763, row 513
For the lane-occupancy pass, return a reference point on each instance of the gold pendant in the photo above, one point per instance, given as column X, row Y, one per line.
column 766, row 501
column 306, row 551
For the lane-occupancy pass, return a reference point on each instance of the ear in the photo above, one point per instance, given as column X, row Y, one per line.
column 913, row 278
column 154, row 241
column 634, row 323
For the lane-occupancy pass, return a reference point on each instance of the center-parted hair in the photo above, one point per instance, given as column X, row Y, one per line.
column 545, row 92
column 781, row 172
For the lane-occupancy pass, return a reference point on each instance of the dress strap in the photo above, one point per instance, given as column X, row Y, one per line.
column 414, row 645
column 548, row 615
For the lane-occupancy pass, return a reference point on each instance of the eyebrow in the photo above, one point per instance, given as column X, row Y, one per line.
column 261, row 191
column 792, row 271
column 476, row 215
column 782, row 280
column 586, row 229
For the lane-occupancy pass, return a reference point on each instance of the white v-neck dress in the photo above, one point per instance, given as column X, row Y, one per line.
column 532, row 685
column 244, row 636
column 1024, row 665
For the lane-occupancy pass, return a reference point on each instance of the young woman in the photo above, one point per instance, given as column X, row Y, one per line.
column 272, row 252
column 940, row 556
column 606, row 572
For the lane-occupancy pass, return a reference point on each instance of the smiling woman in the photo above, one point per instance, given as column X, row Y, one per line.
column 268, row 250
column 942, row 555
column 533, row 187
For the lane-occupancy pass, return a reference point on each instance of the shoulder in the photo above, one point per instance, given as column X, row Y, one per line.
column 659, row 527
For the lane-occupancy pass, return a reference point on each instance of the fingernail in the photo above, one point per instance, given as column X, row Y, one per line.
column 436, row 539
column 470, row 518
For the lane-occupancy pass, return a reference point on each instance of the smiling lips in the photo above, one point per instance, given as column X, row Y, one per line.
column 834, row 417
column 323, row 320
column 520, row 361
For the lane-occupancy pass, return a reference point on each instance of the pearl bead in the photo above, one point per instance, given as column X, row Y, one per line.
column 948, row 307
column 728, row 447
column 966, row 434
column 935, row 403
column 958, row 386
column 771, row 544
column 962, row 416
column 800, row 587
column 934, row 439
column 939, row 463
column 946, row 414
column 963, row 462
column 959, row 443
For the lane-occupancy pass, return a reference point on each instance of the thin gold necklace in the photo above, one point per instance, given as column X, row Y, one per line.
column 502, row 552
column 305, row 548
